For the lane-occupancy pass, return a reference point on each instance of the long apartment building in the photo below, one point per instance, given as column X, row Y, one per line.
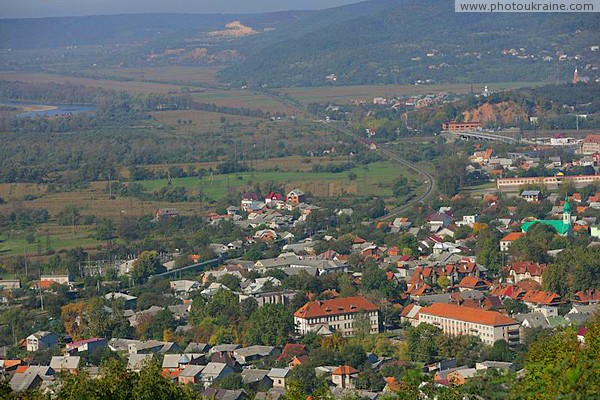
column 489, row 326
column 548, row 181
column 336, row 315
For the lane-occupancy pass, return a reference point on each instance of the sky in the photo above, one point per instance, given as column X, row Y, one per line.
column 58, row 8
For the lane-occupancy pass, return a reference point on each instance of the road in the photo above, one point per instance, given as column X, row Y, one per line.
column 429, row 179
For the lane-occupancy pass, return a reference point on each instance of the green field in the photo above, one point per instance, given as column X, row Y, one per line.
column 346, row 94
column 17, row 245
column 373, row 180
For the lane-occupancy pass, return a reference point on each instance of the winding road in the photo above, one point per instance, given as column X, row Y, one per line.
column 395, row 212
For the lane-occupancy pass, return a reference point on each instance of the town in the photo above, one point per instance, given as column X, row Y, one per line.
column 346, row 200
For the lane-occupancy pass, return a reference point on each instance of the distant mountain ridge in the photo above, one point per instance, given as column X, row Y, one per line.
column 405, row 41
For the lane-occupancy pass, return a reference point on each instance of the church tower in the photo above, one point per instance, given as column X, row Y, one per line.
column 575, row 76
column 567, row 212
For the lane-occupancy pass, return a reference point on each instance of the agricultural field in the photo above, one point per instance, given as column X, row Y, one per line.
column 346, row 94
column 48, row 237
column 193, row 76
column 202, row 121
column 130, row 86
column 374, row 180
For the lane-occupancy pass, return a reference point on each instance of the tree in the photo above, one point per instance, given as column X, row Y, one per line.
column 560, row 367
column 230, row 281
column 374, row 278
column 353, row 355
column 162, row 322
column 488, row 251
column 230, row 382
column 98, row 322
column 422, row 345
column 223, row 307
column 271, row 325
column 73, row 318
column 147, row 264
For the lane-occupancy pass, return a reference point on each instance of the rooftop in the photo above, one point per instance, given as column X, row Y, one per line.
column 315, row 309
column 467, row 314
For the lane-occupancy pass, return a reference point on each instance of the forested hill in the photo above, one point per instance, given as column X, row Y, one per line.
column 38, row 33
column 413, row 40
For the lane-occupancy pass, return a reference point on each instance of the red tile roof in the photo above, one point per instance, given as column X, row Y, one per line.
column 467, row 314
column 472, row 282
column 534, row 269
column 347, row 305
column 511, row 237
column 541, row 297
column 592, row 295
column 529, row 284
column 344, row 370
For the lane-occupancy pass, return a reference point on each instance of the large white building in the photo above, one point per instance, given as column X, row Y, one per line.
column 336, row 315
column 489, row 326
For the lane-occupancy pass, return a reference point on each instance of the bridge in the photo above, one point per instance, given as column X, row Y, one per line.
column 482, row 137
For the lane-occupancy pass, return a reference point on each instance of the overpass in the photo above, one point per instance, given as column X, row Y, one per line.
column 482, row 137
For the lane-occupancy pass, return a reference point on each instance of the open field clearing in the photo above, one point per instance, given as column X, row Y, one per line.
column 375, row 180
column 345, row 94
column 48, row 237
column 90, row 201
column 131, row 87
column 240, row 98
column 196, row 76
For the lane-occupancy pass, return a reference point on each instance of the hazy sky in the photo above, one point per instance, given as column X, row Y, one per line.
column 53, row 8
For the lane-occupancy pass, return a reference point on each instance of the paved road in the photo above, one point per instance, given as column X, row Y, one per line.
column 429, row 179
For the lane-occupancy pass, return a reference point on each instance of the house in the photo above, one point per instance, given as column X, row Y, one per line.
column 41, row 340
column 473, row 283
column 296, row 197
column 591, row 296
column 291, row 350
column 256, row 379
column 214, row 371
column 135, row 362
column 521, row 271
column 489, row 326
column 344, row 376
column 338, row 314
column 545, row 302
column 165, row 213
column 197, row 348
column 90, row 345
column 179, row 362
column 224, row 394
column 65, row 363
column 190, row 375
column 410, row 314
column 10, row 284
column 246, row 355
column 459, row 377
column 531, row 196
column 129, row 302
column 184, row 286
column 279, row 377
column 509, row 239
column 31, row 377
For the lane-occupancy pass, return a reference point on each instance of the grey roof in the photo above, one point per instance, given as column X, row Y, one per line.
column 31, row 378
column 197, row 348
column 24, row 381
column 256, row 350
column 213, row 368
column 135, row 362
column 278, row 372
column 495, row 365
column 254, row 375
column 192, row 371
column 535, row 319
column 530, row 193
column 224, row 394
column 444, row 374
column 225, row 347
column 59, row 363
